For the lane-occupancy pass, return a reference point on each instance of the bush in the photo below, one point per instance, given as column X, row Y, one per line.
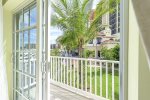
column 89, row 53
column 111, row 54
column 55, row 52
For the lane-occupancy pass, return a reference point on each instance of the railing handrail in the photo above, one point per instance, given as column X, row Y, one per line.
column 92, row 59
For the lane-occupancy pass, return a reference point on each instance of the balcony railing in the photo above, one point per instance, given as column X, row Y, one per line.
column 88, row 77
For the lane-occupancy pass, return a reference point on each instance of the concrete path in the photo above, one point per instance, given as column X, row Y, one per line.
column 58, row 93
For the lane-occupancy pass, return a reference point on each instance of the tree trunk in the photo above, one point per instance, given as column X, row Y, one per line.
column 80, row 67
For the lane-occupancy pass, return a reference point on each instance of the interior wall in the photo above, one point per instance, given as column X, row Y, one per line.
column 8, row 49
column 144, row 75
column 133, row 55
column 3, row 73
column 138, row 68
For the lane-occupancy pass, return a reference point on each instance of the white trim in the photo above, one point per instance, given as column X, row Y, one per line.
column 47, row 46
column 124, row 27
column 39, row 51
column 109, row 61
column 23, row 5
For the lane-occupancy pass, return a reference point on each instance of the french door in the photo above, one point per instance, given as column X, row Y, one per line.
column 30, row 80
column 25, row 53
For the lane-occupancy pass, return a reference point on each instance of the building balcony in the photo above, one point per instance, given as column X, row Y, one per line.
column 88, row 78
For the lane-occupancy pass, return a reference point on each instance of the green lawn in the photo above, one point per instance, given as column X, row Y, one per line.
column 116, row 85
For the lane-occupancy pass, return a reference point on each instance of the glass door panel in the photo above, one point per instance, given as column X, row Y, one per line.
column 25, row 37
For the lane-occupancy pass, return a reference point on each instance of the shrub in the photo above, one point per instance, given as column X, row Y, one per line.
column 55, row 52
column 111, row 54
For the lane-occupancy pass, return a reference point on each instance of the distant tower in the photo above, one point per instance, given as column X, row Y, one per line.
column 114, row 20
column 105, row 23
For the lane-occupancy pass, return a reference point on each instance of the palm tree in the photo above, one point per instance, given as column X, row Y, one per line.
column 73, row 18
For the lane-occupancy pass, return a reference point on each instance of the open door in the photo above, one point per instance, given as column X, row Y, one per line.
column 25, row 53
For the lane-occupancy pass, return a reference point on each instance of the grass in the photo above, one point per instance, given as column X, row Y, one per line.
column 116, row 80
column 116, row 85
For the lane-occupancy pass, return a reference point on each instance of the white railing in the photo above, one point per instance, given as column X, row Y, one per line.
column 99, row 78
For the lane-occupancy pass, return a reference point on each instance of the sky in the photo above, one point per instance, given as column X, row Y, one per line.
column 95, row 3
column 33, row 32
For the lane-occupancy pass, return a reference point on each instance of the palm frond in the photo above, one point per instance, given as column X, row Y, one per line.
column 64, row 3
column 86, row 4
column 58, row 10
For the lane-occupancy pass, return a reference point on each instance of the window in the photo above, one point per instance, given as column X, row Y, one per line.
column 99, row 40
column 91, row 42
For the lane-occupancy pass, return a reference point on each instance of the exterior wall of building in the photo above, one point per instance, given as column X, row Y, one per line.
column 105, row 19
column 112, row 29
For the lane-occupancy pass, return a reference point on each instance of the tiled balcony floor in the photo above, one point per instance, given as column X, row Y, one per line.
column 58, row 93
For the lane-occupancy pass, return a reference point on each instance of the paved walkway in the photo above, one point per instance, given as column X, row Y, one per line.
column 58, row 93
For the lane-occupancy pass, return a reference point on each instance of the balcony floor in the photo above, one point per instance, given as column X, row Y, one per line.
column 58, row 93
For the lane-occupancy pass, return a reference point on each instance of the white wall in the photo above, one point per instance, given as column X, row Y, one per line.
column 8, row 49
column 3, row 75
column 138, row 68
column 144, row 75
column 133, row 55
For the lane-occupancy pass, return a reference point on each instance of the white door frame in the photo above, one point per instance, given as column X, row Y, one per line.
column 47, row 52
column 124, row 27
column 39, row 50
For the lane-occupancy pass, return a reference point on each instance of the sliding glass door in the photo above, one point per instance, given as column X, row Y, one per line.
column 24, row 53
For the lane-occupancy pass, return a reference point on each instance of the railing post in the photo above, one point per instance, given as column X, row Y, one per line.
column 90, row 77
column 77, row 73
column 61, row 68
column 56, row 69
column 64, row 60
column 81, row 74
column 70, row 72
column 106, row 80
column 95, row 78
column 113, row 96
column 74, row 73
column 86, row 66
column 67, row 71
column 101, row 78
column 53, row 68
